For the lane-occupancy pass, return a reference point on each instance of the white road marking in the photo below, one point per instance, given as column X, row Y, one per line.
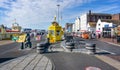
column 106, row 51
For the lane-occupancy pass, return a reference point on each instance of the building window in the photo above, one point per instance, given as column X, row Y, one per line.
column 110, row 17
column 99, row 17
column 99, row 28
column 99, row 24
column 102, row 17
column 58, row 32
column 51, row 32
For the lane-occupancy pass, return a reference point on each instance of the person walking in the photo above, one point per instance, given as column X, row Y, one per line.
column 28, row 41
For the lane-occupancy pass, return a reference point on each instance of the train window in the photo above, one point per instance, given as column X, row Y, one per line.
column 51, row 32
column 58, row 32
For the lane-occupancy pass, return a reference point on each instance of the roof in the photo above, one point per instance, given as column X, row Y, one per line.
column 104, row 14
column 111, row 21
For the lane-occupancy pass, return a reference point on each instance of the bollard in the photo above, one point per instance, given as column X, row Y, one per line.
column 69, row 45
column 91, row 48
column 40, row 48
column 46, row 45
column 94, row 48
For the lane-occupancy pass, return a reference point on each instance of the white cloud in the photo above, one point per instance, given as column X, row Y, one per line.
column 107, row 8
column 34, row 13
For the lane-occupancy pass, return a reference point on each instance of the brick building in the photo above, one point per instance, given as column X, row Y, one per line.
column 116, row 16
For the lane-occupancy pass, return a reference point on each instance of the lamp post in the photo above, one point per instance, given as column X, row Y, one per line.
column 58, row 12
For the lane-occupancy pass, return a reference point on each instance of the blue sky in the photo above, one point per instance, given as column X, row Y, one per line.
column 38, row 14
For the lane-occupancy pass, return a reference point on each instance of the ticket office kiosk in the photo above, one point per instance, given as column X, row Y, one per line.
column 55, row 33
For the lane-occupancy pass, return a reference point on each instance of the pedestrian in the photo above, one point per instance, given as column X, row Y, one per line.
column 28, row 41
column 94, row 36
column 22, row 46
column 113, row 37
column 99, row 35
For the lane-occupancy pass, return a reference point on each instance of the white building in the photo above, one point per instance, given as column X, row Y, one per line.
column 102, row 24
column 83, row 22
column 105, row 27
column 73, row 27
column 87, row 21
column 77, row 25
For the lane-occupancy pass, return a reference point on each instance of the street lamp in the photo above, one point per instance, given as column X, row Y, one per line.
column 58, row 12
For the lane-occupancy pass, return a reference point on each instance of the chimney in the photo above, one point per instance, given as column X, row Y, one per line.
column 89, row 15
column 89, row 12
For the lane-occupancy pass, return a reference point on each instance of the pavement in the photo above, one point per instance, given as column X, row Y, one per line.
column 110, row 41
column 4, row 42
column 28, row 62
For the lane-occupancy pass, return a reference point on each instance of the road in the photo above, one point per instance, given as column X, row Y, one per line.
column 106, row 46
column 78, row 61
column 60, row 59
column 112, row 49
column 109, row 49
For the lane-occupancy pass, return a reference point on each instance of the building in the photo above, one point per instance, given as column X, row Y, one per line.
column 68, row 27
column 77, row 25
column 73, row 27
column 3, row 32
column 116, row 16
column 6, row 33
column 16, row 27
column 105, row 27
column 88, row 20
column 83, row 22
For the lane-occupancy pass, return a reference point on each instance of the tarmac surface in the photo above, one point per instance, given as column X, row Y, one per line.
column 4, row 42
column 77, row 61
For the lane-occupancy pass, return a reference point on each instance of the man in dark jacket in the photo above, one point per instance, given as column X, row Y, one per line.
column 28, row 41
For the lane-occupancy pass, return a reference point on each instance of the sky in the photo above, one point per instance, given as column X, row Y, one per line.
column 38, row 14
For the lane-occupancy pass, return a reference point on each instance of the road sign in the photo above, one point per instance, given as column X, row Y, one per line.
column 21, row 38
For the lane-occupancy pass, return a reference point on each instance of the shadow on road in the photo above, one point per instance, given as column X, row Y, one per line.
column 5, row 59
column 103, row 53
column 51, row 52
